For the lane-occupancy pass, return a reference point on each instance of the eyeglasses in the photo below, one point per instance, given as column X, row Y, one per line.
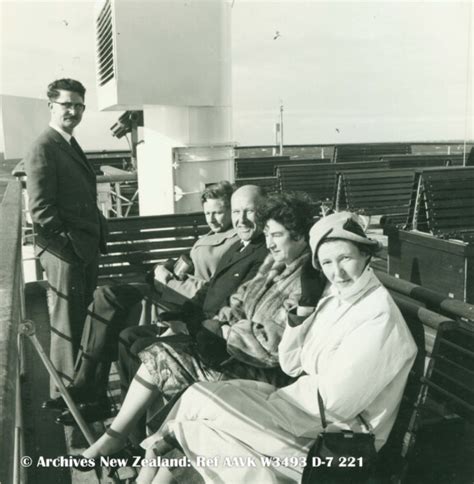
column 75, row 106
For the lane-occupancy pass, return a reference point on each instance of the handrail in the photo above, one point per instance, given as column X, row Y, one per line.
column 434, row 300
column 11, row 286
column 317, row 145
column 113, row 174
column 116, row 178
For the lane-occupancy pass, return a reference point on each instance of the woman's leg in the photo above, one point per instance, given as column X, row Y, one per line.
column 141, row 393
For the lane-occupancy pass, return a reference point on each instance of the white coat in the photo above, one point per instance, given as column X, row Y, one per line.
column 356, row 349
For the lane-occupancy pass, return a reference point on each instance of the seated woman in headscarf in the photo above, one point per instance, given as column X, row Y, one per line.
column 355, row 349
column 242, row 340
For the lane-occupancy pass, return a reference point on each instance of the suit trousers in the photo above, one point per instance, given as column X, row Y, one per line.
column 110, row 331
column 112, row 309
column 71, row 285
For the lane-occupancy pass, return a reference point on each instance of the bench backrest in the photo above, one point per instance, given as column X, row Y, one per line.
column 442, row 379
column 442, row 202
column 375, row 192
column 362, row 165
column 263, row 167
column 450, row 378
column 135, row 244
column 318, row 181
column 362, row 152
column 257, row 167
column 420, row 161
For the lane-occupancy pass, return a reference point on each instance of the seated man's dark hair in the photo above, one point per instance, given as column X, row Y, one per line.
column 65, row 85
column 293, row 210
column 218, row 191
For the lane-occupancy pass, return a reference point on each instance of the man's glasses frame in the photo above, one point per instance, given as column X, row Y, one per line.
column 75, row 106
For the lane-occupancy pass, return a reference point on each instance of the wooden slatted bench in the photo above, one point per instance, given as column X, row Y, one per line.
column 136, row 244
column 439, row 235
column 444, row 203
column 365, row 152
column 421, row 161
column 375, row 192
column 257, row 167
column 440, row 389
column 361, row 165
column 319, row 181
column 263, row 167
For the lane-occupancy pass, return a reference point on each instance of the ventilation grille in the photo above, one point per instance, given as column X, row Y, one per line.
column 105, row 45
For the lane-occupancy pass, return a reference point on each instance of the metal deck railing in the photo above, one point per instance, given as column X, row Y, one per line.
column 11, row 314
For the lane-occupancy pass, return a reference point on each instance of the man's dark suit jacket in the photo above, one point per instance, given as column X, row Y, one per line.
column 234, row 268
column 62, row 194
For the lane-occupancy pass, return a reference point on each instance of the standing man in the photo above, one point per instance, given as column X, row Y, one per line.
column 69, row 228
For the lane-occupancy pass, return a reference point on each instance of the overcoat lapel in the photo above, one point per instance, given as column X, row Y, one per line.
column 65, row 146
column 234, row 255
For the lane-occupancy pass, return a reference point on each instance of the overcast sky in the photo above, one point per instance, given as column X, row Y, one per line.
column 345, row 71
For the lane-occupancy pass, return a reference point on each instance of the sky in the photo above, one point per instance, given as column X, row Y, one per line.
column 344, row 71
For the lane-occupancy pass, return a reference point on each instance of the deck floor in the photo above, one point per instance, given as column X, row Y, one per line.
column 44, row 438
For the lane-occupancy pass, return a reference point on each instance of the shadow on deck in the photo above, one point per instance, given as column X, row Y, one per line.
column 44, row 438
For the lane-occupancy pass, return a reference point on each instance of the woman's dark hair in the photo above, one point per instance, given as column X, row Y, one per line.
column 293, row 210
column 222, row 190
column 65, row 85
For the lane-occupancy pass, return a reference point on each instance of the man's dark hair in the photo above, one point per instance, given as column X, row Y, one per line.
column 293, row 210
column 218, row 191
column 65, row 85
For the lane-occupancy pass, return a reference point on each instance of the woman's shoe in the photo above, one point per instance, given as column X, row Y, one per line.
column 79, row 396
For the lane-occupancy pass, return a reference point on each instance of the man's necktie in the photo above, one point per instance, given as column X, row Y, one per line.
column 77, row 148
